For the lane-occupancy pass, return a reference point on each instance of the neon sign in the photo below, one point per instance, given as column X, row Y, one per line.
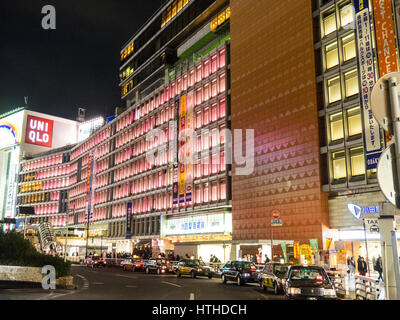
column 357, row 210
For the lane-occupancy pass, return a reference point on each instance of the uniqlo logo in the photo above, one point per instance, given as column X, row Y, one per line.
column 39, row 131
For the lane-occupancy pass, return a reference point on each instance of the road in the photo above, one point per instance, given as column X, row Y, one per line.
column 116, row 284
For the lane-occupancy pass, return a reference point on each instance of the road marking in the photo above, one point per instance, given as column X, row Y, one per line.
column 172, row 284
column 85, row 285
column 62, row 294
column 98, row 283
column 47, row 296
column 191, row 296
column 131, row 286
column 129, row 277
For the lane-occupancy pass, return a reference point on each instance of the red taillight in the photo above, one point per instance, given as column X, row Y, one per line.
column 164, row 267
column 167, row 262
column 253, row 269
column 319, row 278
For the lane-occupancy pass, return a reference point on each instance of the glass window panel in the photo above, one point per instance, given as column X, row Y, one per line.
column 346, row 15
column 351, row 83
column 339, row 165
column 329, row 24
column 357, row 161
column 354, row 121
column 331, row 54
column 336, row 125
column 349, row 47
column 334, row 93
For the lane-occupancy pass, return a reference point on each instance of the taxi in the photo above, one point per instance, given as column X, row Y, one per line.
column 193, row 268
column 273, row 275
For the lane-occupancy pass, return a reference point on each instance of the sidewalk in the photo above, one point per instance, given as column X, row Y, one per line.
column 19, row 285
column 349, row 284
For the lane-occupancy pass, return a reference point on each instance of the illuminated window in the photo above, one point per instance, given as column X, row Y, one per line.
column 205, row 192
column 180, row 5
column 214, row 112
column 221, row 83
column 357, row 161
column 206, row 116
column 354, row 121
column 174, row 9
column 206, row 91
column 331, row 55
column 198, row 96
column 346, row 15
column 198, row 73
column 214, row 191
column 206, row 68
column 351, row 82
column 198, row 119
column 349, row 47
column 222, row 58
column 329, row 24
column 198, row 194
column 336, row 125
column 339, row 165
column 334, row 93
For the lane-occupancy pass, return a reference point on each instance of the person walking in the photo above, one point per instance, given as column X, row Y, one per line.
column 362, row 267
column 266, row 259
column 379, row 267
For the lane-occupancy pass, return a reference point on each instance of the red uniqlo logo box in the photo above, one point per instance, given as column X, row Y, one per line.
column 39, row 131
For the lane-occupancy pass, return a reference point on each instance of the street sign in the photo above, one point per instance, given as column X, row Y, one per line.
column 276, row 223
column 385, row 173
column 380, row 102
column 371, row 225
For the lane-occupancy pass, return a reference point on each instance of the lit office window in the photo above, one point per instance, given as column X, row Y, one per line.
column 336, row 125
column 346, row 15
column 351, row 83
column 349, row 47
column 354, row 121
column 357, row 161
column 331, row 55
column 329, row 24
column 339, row 165
column 334, row 93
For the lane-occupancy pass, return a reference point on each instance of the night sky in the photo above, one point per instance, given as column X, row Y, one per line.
column 76, row 65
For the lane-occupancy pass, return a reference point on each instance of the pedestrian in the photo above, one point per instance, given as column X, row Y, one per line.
column 187, row 256
column 266, row 259
column 379, row 267
column 211, row 258
column 351, row 264
column 254, row 259
column 362, row 266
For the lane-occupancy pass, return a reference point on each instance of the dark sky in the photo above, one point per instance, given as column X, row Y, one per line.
column 76, row 65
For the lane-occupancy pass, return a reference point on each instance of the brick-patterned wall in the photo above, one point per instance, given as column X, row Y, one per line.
column 274, row 92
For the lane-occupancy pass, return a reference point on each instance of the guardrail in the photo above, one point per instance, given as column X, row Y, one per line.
column 367, row 288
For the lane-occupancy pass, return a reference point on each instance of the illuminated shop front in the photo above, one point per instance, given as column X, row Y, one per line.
column 199, row 235
column 347, row 229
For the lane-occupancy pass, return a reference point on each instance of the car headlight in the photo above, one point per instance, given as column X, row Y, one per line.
column 246, row 274
column 329, row 292
column 294, row 291
column 199, row 270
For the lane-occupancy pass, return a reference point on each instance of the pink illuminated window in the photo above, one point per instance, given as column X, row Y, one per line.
column 214, row 112
column 198, row 168
column 185, row 82
column 205, row 192
column 214, row 64
column 222, row 108
column 198, row 96
column 198, row 119
column 222, row 58
column 222, row 83
column 214, row 191
column 214, row 163
column 206, row 92
column 191, row 78
column 222, row 160
column 179, row 86
column 206, row 116
column 206, row 164
column 214, row 137
column 222, row 188
column 214, row 88
column 172, row 92
column 198, row 73
column 198, row 194
column 206, row 68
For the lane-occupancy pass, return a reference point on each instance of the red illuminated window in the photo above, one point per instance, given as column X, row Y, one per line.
column 214, row 88
column 198, row 119
column 222, row 58
column 185, row 82
column 214, row 64
column 198, row 73
column 214, row 191
column 198, row 96
column 191, row 78
column 198, row 194
column 214, row 112
column 222, row 83
column 205, row 192
column 206, row 116
column 206, row 92
column 206, row 68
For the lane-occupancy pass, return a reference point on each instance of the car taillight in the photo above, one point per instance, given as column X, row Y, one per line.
column 253, row 269
column 319, row 278
column 167, row 262
column 164, row 267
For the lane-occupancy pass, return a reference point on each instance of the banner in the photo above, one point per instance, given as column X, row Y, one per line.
column 296, row 249
column 366, row 74
column 189, row 148
column 182, row 127
column 89, row 186
column 128, row 220
column 314, row 244
column 385, row 37
column 283, row 246
column 328, row 243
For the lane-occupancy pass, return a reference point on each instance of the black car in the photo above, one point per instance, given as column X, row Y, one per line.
column 272, row 276
column 308, row 283
column 158, row 265
column 193, row 268
column 239, row 271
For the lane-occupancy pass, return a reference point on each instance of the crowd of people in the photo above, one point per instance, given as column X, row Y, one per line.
column 362, row 266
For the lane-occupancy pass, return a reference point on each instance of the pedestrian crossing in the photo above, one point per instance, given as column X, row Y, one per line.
column 85, row 284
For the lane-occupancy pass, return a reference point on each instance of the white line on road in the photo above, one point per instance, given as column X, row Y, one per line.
column 62, row 294
column 131, row 286
column 85, row 285
column 172, row 284
column 191, row 296
column 129, row 277
column 98, row 283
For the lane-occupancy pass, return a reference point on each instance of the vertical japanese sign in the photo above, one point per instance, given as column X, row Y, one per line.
column 372, row 136
column 128, row 220
column 283, row 246
column 314, row 244
column 328, row 243
column 189, row 148
column 181, row 160
column 296, row 249
column 385, row 37
column 89, row 185
column 175, row 186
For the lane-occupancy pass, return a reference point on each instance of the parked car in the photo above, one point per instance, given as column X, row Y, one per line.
column 125, row 264
column 193, row 268
column 95, row 262
column 158, row 265
column 308, row 283
column 272, row 276
column 239, row 271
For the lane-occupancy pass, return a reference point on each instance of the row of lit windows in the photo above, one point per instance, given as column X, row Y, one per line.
column 42, row 163
column 332, row 54
column 350, row 125
column 342, row 86
column 128, row 51
column 348, row 163
column 220, row 19
column 40, row 197
column 91, row 143
column 46, row 209
column 172, row 11
column 339, row 18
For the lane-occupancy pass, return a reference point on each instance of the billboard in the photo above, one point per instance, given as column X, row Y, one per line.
column 11, row 129
column 39, row 131
column 372, row 135
column 86, row 128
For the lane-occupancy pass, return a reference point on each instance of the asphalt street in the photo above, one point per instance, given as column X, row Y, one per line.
column 116, row 284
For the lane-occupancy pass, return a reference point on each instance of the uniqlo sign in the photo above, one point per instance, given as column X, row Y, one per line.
column 39, row 131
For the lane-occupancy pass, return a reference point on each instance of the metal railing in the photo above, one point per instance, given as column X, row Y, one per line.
column 367, row 288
